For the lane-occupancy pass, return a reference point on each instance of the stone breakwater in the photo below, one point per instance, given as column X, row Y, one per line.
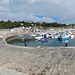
column 38, row 60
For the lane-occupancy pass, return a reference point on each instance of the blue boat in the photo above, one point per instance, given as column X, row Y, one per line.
column 43, row 39
column 63, row 37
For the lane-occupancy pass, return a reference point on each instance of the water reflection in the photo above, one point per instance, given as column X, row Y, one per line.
column 64, row 41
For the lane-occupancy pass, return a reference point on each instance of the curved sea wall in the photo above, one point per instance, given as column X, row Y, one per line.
column 11, row 35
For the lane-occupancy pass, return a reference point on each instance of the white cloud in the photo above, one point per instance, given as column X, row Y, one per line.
column 5, row 2
column 36, row 19
column 26, row 9
column 24, row 17
column 33, row 1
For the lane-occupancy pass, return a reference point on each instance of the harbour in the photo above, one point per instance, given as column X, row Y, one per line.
column 37, row 37
column 37, row 60
column 52, row 38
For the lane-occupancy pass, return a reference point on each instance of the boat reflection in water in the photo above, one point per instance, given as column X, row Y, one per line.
column 66, row 43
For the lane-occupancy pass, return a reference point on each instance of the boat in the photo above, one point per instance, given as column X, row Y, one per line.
column 20, row 35
column 72, row 36
column 63, row 37
column 41, row 38
column 38, row 37
column 55, row 36
column 33, row 35
column 49, row 36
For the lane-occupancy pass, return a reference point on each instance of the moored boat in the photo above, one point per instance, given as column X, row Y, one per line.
column 38, row 37
column 63, row 37
column 72, row 36
column 41, row 38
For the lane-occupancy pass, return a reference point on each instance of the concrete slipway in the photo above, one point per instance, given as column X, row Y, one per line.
column 16, row 60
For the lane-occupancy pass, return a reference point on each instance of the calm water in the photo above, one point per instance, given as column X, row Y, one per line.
column 31, row 42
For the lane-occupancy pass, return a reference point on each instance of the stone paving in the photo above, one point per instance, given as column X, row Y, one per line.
column 6, row 71
column 38, row 61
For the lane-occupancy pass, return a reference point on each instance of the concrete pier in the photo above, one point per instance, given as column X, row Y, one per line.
column 37, row 60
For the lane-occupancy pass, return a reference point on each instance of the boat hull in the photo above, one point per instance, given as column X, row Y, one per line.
column 63, row 38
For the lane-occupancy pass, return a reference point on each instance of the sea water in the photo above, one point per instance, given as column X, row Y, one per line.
column 29, row 41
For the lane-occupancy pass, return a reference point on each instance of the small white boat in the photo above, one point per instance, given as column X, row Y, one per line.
column 49, row 36
column 0, row 36
column 72, row 36
column 20, row 35
column 33, row 35
column 41, row 38
column 38, row 37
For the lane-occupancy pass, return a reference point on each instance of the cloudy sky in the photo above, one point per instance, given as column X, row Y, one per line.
column 62, row 11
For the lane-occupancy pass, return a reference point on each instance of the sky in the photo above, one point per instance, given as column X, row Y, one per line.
column 61, row 11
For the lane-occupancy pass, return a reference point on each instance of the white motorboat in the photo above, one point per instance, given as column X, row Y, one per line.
column 72, row 36
column 33, row 35
column 38, row 37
